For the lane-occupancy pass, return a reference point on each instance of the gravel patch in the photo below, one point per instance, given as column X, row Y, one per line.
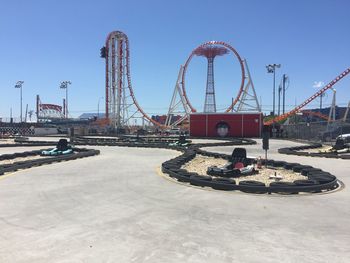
column 201, row 163
column 7, row 141
column 21, row 159
column 323, row 149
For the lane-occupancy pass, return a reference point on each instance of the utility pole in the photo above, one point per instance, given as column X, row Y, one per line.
column 19, row 85
column 271, row 68
column 25, row 116
column 279, row 100
column 284, row 81
column 64, row 85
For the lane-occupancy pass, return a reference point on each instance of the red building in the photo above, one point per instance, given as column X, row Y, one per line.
column 226, row 124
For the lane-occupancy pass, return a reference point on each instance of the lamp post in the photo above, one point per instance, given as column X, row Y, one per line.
column 19, row 85
column 64, row 85
column 98, row 107
column 271, row 68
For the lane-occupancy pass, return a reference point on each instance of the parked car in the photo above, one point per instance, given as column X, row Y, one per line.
column 333, row 133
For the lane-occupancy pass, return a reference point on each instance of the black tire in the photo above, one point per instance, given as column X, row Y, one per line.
column 225, row 184
column 305, row 182
column 290, row 166
column 282, row 187
column 251, row 183
column 183, row 177
column 298, row 168
column 6, row 156
column 200, row 180
column 306, row 171
column 270, row 162
column 322, row 178
column 279, row 163
column 224, row 180
column 281, row 183
column 16, row 155
column 252, row 186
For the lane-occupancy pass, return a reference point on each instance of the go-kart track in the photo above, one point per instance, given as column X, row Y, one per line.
column 119, row 207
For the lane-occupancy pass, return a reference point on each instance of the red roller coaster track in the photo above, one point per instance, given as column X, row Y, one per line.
column 123, row 40
column 115, row 86
column 315, row 113
column 220, row 43
column 296, row 109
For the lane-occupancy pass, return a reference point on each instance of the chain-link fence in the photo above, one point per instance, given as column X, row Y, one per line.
column 10, row 120
column 315, row 131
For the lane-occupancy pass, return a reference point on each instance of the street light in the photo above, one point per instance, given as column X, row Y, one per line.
column 98, row 107
column 271, row 68
column 64, row 85
column 19, row 85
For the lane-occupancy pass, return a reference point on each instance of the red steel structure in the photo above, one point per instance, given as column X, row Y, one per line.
column 315, row 113
column 121, row 103
column 118, row 79
column 319, row 93
column 194, row 53
column 210, row 52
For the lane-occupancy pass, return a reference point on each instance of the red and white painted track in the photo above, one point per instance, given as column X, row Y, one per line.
column 240, row 60
column 314, row 96
column 124, row 38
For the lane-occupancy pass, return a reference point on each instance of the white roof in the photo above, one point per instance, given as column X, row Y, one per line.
column 344, row 135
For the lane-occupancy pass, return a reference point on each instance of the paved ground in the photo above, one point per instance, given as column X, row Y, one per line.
column 115, row 208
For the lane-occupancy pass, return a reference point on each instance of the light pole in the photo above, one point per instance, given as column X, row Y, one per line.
column 285, row 85
column 19, row 85
column 271, row 68
column 64, row 85
column 98, row 107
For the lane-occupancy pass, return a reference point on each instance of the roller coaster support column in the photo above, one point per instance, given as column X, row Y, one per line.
column 331, row 116
column 346, row 112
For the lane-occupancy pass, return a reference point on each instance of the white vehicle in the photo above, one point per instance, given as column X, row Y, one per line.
column 345, row 137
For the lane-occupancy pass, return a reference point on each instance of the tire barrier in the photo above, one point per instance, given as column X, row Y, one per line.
column 296, row 151
column 315, row 181
column 141, row 141
column 19, row 165
column 29, row 144
column 155, row 142
column 128, row 139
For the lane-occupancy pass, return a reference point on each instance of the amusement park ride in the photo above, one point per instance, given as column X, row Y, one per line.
column 49, row 112
column 121, row 104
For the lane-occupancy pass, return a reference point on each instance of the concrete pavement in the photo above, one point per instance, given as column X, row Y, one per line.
column 116, row 208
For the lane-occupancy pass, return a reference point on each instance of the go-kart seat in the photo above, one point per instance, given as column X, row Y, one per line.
column 62, row 145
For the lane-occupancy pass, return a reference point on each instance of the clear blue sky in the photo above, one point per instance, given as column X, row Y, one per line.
column 45, row 41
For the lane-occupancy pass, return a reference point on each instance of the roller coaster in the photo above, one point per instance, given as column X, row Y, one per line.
column 121, row 103
column 48, row 112
column 310, row 99
column 316, row 114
